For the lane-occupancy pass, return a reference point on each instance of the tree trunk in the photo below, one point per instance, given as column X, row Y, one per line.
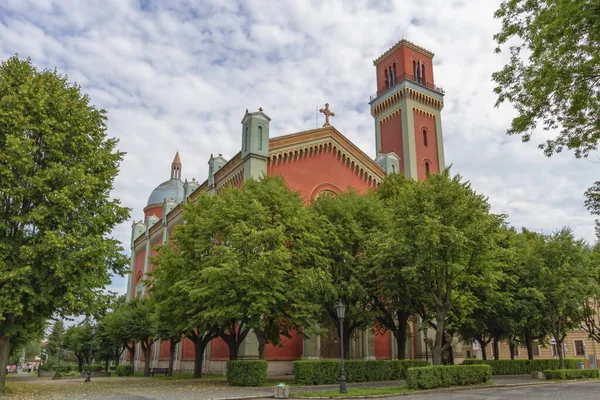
column 131, row 350
column 483, row 346
column 4, row 351
column 147, row 350
column 261, row 348
column 199, row 347
column 80, row 362
column 511, row 347
column 560, row 349
column 496, row 349
column 529, row 345
column 172, row 348
column 106, row 365
column 437, row 350
column 400, row 343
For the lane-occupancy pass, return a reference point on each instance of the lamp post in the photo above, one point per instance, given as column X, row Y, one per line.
column 89, row 371
column 341, row 313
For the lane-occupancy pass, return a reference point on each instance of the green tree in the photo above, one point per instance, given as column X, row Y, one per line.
column 237, row 248
column 531, row 324
column 55, row 339
column 115, row 327
column 176, row 316
column 57, row 168
column 491, row 316
column 553, row 76
column 345, row 223
column 78, row 339
column 566, row 280
column 394, row 297
column 449, row 241
column 139, row 322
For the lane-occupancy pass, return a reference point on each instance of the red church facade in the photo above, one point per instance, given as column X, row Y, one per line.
column 409, row 140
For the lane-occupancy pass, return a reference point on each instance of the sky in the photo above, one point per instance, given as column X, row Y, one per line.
column 178, row 75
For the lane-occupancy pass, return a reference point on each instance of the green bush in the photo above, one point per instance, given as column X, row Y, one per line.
column 124, row 370
column 327, row 372
column 112, row 368
column 62, row 374
column 55, row 366
column 571, row 373
column 447, row 375
column 514, row 367
column 247, row 372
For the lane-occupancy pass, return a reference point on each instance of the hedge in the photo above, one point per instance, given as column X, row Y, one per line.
column 327, row 372
column 247, row 372
column 571, row 373
column 124, row 370
column 447, row 375
column 514, row 367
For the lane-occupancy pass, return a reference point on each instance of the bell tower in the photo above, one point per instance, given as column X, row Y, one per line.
column 407, row 110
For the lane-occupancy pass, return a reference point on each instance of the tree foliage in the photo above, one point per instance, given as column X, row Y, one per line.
column 553, row 76
column 57, row 168
column 448, row 239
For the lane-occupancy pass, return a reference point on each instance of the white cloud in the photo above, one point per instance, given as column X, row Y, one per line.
column 178, row 75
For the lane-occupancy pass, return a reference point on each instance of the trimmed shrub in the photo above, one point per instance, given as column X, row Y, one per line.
column 447, row 375
column 327, row 372
column 124, row 370
column 247, row 372
column 514, row 367
column 53, row 365
column 571, row 373
column 112, row 368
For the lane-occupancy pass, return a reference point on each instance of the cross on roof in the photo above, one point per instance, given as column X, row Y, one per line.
column 327, row 113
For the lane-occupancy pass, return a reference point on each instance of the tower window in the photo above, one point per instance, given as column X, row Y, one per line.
column 425, row 137
column 415, row 70
column 426, row 168
column 422, row 74
column 260, row 137
column 394, row 73
column 246, row 139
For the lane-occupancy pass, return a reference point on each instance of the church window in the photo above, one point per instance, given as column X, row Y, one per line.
column 425, row 137
column 393, row 168
column 260, row 137
column 394, row 73
column 246, row 139
column 422, row 74
column 426, row 168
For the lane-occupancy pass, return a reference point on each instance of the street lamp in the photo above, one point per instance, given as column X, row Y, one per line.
column 341, row 313
column 89, row 371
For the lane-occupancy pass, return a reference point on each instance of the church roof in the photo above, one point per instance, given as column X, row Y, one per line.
column 169, row 190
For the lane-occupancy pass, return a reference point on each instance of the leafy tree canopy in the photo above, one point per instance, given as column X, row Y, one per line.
column 57, row 168
column 553, row 76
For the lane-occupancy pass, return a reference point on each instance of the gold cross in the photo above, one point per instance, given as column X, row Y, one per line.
column 327, row 114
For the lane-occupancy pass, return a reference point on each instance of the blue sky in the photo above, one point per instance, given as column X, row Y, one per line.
column 178, row 75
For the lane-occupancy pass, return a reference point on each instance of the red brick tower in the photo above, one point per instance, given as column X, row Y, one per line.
column 407, row 110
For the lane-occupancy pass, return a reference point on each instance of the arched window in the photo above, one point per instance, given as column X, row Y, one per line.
column 260, row 137
column 425, row 137
column 246, row 140
column 393, row 168
column 426, row 168
column 394, row 73
column 415, row 70
column 423, row 74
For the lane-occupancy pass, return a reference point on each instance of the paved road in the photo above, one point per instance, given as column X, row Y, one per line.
column 566, row 391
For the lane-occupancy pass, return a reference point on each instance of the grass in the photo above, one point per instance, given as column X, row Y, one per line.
column 357, row 392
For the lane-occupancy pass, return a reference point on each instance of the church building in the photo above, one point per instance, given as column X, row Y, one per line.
column 408, row 135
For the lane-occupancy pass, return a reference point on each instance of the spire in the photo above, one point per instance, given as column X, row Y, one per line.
column 176, row 167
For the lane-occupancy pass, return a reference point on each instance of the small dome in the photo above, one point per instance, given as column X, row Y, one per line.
column 169, row 190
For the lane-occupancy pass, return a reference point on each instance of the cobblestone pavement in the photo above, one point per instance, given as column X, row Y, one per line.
column 561, row 391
